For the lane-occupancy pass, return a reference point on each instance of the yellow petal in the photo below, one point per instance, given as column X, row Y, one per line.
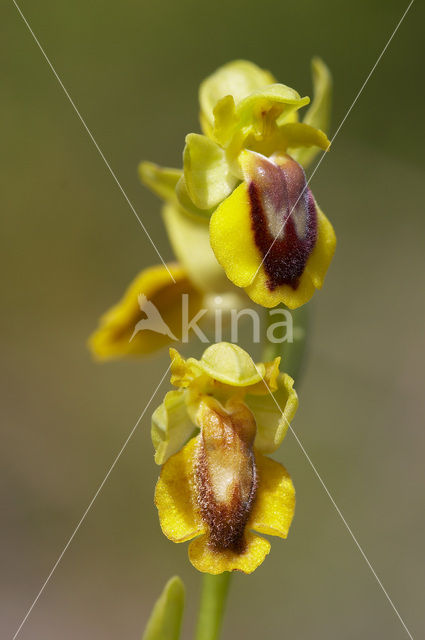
column 175, row 498
column 207, row 560
column 274, row 504
column 123, row 329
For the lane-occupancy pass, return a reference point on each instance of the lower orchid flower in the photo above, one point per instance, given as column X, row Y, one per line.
column 220, row 487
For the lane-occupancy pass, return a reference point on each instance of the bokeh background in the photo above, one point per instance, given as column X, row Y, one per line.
column 70, row 244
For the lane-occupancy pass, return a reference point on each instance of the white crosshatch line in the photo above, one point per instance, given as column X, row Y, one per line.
column 163, row 377
column 111, row 171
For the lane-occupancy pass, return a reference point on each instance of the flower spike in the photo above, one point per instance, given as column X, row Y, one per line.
column 246, row 176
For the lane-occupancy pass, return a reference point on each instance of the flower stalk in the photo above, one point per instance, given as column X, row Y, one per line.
column 293, row 353
column 214, row 594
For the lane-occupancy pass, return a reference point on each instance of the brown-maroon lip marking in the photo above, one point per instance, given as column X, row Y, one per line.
column 227, row 521
column 225, row 472
column 285, row 194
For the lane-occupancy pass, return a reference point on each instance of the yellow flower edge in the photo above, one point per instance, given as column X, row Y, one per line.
column 232, row 240
column 181, row 521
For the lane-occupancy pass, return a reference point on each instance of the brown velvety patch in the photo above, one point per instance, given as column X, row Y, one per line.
column 284, row 219
column 226, row 477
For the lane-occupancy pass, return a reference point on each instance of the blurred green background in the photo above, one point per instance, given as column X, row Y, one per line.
column 70, row 245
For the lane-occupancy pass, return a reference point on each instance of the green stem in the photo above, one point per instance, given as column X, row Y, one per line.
column 293, row 353
column 213, row 601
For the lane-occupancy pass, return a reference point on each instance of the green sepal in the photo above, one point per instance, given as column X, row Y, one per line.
column 206, row 172
column 189, row 237
column 166, row 617
column 171, row 426
column 187, row 204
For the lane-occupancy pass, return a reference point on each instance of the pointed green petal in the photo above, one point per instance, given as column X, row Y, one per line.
column 206, row 172
column 319, row 113
column 171, row 426
column 161, row 180
column 166, row 617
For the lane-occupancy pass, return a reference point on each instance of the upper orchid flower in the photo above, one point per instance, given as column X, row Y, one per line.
column 245, row 176
column 239, row 215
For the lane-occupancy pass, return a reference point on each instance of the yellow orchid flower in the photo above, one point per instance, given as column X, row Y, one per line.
column 219, row 488
column 245, row 177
